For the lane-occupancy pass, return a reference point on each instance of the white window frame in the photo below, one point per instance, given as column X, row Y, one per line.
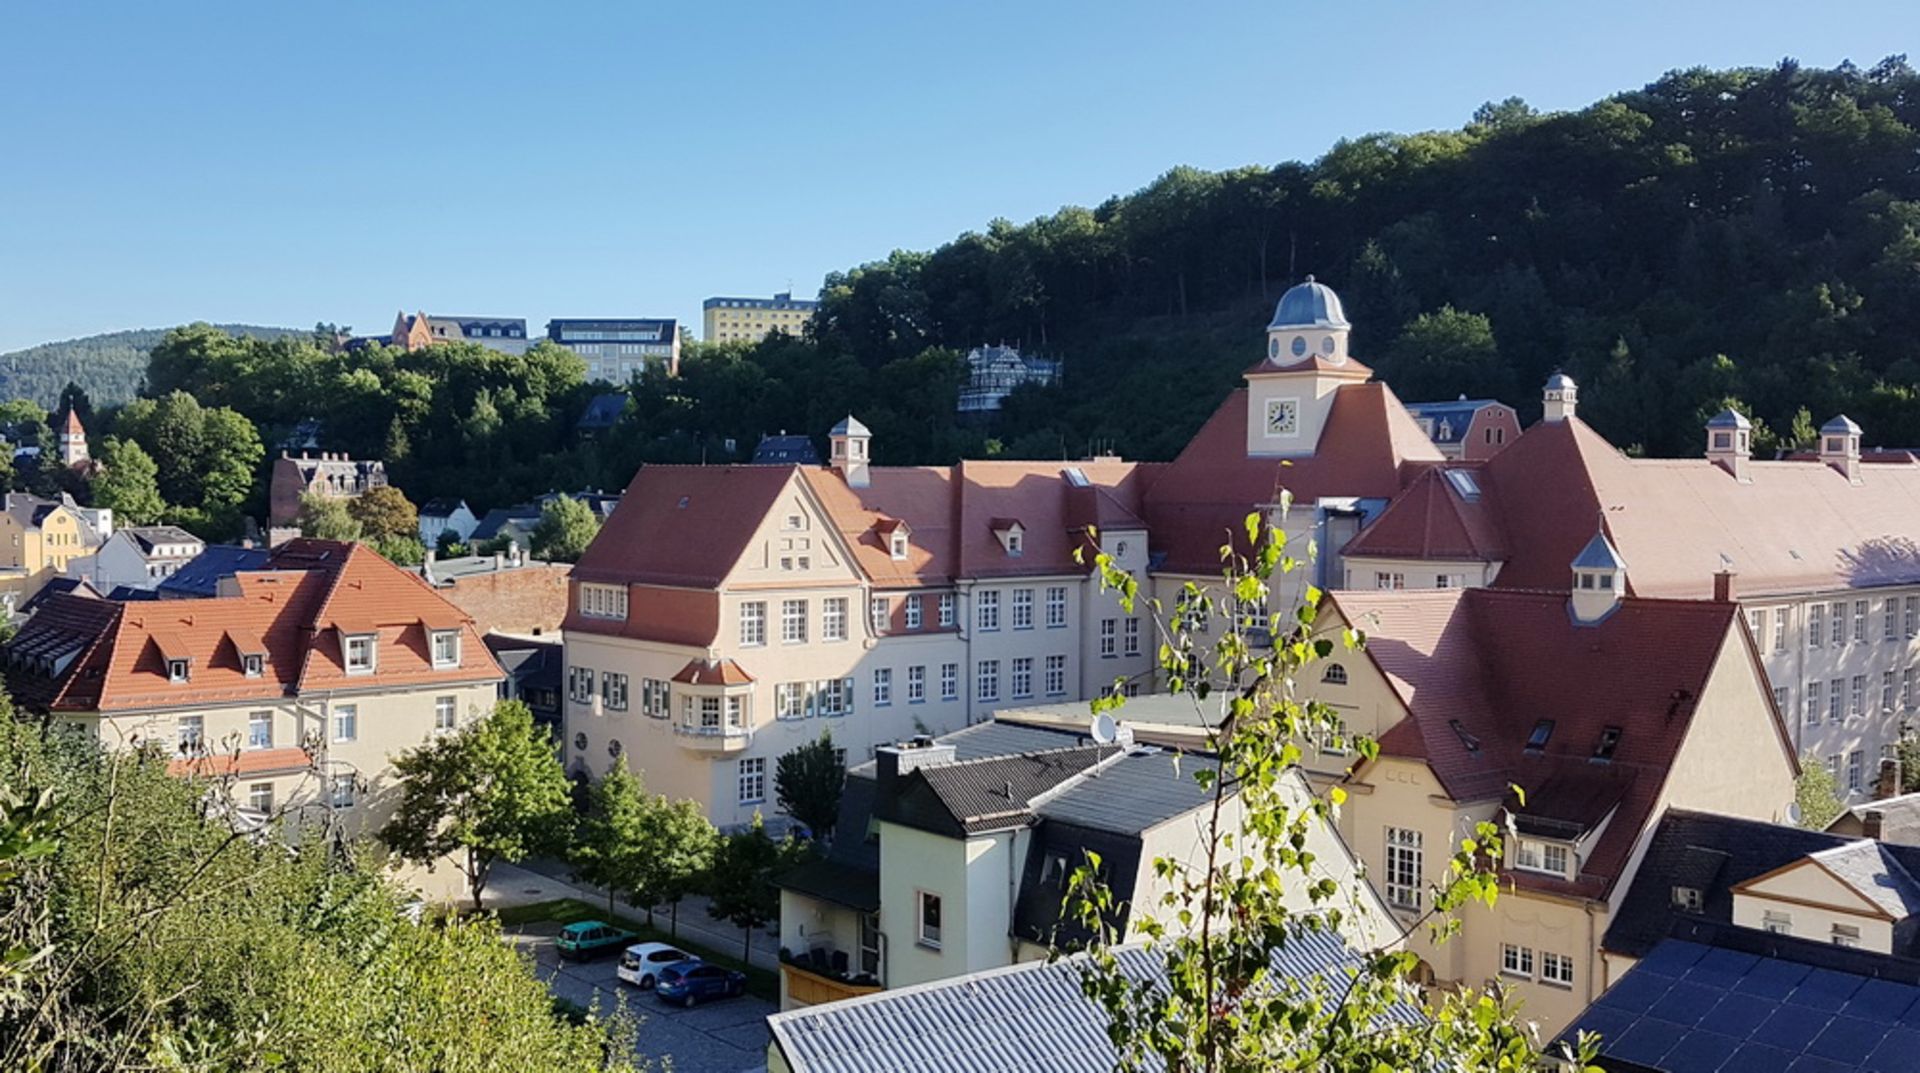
column 1516, row 961
column 346, row 723
column 256, row 721
column 793, row 622
column 882, row 686
column 917, row 684
column 1021, row 678
column 879, row 615
column 926, row 935
column 1023, row 609
column 910, row 611
column 449, row 640
column 751, row 780
column 986, row 616
column 833, row 618
column 260, row 797
column 986, row 680
column 1556, row 970
column 1109, row 642
column 1056, row 676
column 613, row 691
column 1405, row 863
column 949, row 681
column 603, row 601
column 190, row 731
column 446, row 714
column 1056, row 607
column 361, row 653
column 1132, row 636
column 753, row 624
column 945, row 605
column 341, row 791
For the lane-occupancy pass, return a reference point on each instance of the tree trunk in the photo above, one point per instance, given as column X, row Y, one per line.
column 673, row 922
column 609, row 899
column 476, row 876
column 746, row 945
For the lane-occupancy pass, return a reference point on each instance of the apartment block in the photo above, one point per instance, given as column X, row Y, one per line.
column 732, row 320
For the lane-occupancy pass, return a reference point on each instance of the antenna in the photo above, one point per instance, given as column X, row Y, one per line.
column 1105, row 731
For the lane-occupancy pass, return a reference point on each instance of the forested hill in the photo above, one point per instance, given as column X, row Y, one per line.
column 1747, row 234
column 109, row 366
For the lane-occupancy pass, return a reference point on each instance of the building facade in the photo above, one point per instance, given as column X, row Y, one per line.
column 138, row 557
column 1473, row 430
column 618, row 350
column 749, row 320
column 994, row 371
column 328, row 474
column 508, row 335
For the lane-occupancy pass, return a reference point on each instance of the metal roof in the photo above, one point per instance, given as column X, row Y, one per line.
column 1309, row 305
column 1138, row 792
column 200, row 575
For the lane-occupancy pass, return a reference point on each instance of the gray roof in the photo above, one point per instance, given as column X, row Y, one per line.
column 441, row 508
column 149, row 537
column 1454, row 417
column 1899, row 819
column 200, row 575
column 1870, row 869
column 1729, row 418
column 1309, row 305
column 993, row 793
column 1599, row 554
column 1840, row 426
column 1140, row 791
column 1027, row 1018
column 604, row 411
column 786, row 450
column 850, row 426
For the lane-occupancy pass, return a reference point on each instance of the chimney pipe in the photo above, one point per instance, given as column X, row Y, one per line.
column 1872, row 822
column 1723, row 587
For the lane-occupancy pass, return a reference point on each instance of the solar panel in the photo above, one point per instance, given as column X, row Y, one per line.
column 1647, row 1042
column 1602, row 1021
column 1824, row 989
column 1760, row 1058
column 1772, row 978
column 1738, row 1014
column 1637, row 999
column 1687, row 1002
column 1896, row 1052
column 1791, row 1027
column 1881, row 1001
column 1701, row 1050
column 1720, row 968
column 1850, row 1040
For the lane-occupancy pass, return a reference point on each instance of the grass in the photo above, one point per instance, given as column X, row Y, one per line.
column 760, row 982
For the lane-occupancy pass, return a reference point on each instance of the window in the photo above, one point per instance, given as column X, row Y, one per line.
column 949, row 681
column 260, row 797
column 1857, row 695
column 927, row 924
column 1444, row 581
column 613, row 691
column 1886, row 692
column 898, row 545
column 1386, row 579
column 253, row 665
column 1403, row 868
column 1856, row 768
column 603, row 601
column 1549, row 858
column 1108, row 629
column 709, row 712
column 192, row 730
column 1813, row 703
column 913, row 612
column 882, row 686
column 833, row 696
column 1556, row 969
column 1859, row 621
column 1777, row 922
column 341, row 791
column 987, row 611
column 878, row 615
column 1833, row 766
column 1836, row 700
column 1056, row 607
column 1022, row 677
column 1757, row 622
column 1013, row 542
column 446, row 648
column 1541, row 734
column 346, row 722
column 446, row 711
column 1911, row 610
column 360, row 654
column 1334, row 675
column 1056, row 676
column 1023, row 609
column 1837, row 622
column 789, row 700
column 916, row 685
column 833, row 618
column 260, row 730
column 753, row 624
column 793, row 622
column 1816, row 615
column 1891, row 631
column 1846, row 935
column 1516, row 961
column 1688, row 898
column 946, row 610
column 1133, row 637
column 987, row 680
column 1779, row 629
column 580, row 684
column 1782, row 699
column 1609, row 741
column 176, row 670
column 753, row 780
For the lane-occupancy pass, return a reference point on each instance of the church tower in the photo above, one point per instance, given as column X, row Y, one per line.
column 73, row 441
column 1291, row 392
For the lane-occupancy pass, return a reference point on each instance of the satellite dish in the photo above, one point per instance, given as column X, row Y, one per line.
column 1105, row 731
column 1793, row 813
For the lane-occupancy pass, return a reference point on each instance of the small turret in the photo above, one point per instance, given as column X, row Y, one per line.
column 1599, row 581
column 1840, row 446
column 1730, row 442
column 851, row 450
column 1562, row 397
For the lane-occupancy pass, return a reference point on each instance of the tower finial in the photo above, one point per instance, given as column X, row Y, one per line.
column 1309, row 277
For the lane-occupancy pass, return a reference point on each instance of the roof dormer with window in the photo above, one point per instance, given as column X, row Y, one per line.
column 1012, row 535
column 1599, row 581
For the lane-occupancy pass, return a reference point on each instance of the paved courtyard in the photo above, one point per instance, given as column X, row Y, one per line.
column 722, row 1036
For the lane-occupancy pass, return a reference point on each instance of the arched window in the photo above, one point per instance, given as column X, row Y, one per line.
column 1335, row 675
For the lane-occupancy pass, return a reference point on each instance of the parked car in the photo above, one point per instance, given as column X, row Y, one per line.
column 640, row 965
column 693, row 980
column 590, row 938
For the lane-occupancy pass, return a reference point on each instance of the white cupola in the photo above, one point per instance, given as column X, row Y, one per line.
column 1308, row 323
column 1290, row 392
column 1840, row 446
column 1599, row 581
column 1561, row 397
column 852, row 442
column 1730, row 442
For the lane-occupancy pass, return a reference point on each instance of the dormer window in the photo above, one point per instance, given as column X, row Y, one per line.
column 177, row 670
column 1688, row 899
column 898, row 545
column 361, row 654
column 1011, row 534
column 1836, row 445
column 253, row 665
column 1609, row 741
column 1545, row 858
column 446, row 648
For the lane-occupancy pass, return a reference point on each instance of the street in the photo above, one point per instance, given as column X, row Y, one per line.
column 722, row 1036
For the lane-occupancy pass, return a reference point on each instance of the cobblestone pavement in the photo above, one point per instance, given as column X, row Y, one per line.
column 720, row 1036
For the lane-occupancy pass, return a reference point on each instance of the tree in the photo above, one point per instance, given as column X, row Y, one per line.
column 207, row 458
column 807, row 783
column 676, row 850
column 325, row 517
column 1447, row 353
column 492, row 791
column 1817, row 794
column 1214, row 930
column 385, row 512
column 739, row 885
column 608, row 840
column 567, row 525
column 401, row 550
column 127, row 483
column 449, row 545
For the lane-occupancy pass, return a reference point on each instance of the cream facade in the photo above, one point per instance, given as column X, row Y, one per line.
column 732, row 320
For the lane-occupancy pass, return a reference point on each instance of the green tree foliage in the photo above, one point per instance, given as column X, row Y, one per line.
column 739, row 884
column 207, row 457
column 807, row 782
column 1223, row 914
column 401, row 550
column 608, row 840
column 1817, row 794
column 567, row 525
column 1444, row 353
column 324, row 517
column 108, row 368
column 494, row 790
column 128, row 483
column 145, row 932
column 385, row 512
column 676, row 850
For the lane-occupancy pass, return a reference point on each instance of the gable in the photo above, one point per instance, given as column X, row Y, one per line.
column 795, row 542
column 1806, row 882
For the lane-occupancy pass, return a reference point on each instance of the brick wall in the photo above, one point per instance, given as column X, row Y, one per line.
column 522, row 599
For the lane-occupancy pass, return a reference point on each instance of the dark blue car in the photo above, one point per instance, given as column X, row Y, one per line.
column 692, row 981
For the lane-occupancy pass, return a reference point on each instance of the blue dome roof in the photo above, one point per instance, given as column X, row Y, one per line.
column 1309, row 305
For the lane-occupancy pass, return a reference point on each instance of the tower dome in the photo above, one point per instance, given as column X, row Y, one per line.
column 1309, row 304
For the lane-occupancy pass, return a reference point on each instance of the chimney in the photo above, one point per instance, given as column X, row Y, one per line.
column 1871, row 823
column 1730, row 443
column 1723, row 587
column 892, row 762
column 1840, row 447
column 1560, row 398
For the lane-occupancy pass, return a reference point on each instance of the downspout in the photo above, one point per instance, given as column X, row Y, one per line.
column 1597, row 968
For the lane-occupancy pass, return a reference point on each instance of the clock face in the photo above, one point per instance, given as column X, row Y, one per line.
column 1283, row 417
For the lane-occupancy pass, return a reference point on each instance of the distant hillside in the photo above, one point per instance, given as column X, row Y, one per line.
column 108, row 366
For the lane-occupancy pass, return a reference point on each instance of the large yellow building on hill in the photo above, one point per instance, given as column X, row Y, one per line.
column 729, row 320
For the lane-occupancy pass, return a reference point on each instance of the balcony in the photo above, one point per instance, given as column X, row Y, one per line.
column 804, row 987
column 712, row 739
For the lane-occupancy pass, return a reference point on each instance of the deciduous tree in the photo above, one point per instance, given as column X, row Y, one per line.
column 325, row 517
column 807, row 782
column 739, row 885
column 385, row 512
column 567, row 525
column 127, row 483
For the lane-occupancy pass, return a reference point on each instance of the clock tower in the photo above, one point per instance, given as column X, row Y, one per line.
column 1290, row 393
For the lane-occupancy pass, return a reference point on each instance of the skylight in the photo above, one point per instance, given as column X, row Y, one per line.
column 1609, row 741
column 1076, row 476
column 1464, row 483
column 1472, row 743
column 1542, row 731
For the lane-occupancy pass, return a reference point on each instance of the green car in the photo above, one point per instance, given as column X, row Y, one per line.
column 590, row 938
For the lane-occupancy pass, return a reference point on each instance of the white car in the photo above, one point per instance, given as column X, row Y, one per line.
column 640, row 964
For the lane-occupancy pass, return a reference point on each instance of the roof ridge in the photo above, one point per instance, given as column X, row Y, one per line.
column 1022, row 755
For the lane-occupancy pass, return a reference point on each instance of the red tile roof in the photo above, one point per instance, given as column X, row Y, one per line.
column 1196, row 502
column 241, row 764
column 290, row 612
column 682, row 525
column 1432, row 520
column 922, row 496
column 674, row 616
column 1037, row 494
column 1477, row 669
column 700, row 672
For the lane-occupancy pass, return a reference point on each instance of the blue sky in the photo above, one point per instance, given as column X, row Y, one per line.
column 289, row 163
